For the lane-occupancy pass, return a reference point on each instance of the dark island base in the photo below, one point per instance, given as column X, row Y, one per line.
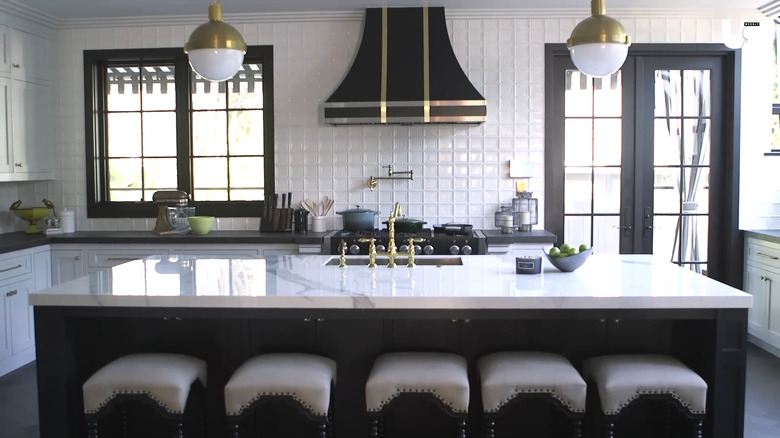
column 73, row 342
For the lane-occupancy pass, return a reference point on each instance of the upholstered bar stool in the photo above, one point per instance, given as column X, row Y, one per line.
column 623, row 379
column 304, row 380
column 509, row 377
column 441, row 376
column 163, row 381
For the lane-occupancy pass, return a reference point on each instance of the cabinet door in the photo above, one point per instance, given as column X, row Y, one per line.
column 30, row 56
column 5, row 52
column 42, row 269
column 66, row 264
column 5, row 332
column 756, row 284
column 32, row 128
column 6, row 154
column 771, row 279
column 21, row 315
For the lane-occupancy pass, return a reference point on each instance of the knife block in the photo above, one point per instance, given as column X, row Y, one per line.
column 278, row 220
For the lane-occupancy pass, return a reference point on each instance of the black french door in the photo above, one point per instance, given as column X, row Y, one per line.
column 645, row 161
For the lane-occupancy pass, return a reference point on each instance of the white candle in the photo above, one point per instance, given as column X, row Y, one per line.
column 507, row 221
column 525, row 218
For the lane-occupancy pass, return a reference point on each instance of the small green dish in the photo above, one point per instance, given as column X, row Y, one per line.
column 201, row 224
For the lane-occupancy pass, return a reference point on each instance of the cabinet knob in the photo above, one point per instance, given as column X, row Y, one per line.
column 18, row 164
column 16, row 66
column 11, row 293
column 77, row 258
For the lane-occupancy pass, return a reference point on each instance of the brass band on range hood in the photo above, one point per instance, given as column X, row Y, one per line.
column 405, row 72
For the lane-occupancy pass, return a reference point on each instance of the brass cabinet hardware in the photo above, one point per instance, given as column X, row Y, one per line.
column 11, row 293
column 767, row 256
column 16, row 65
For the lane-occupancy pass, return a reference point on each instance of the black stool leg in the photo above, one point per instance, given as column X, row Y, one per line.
column 668, row 420
column 577, row 433
column 609, row 428
column 697, row 429
column 124, row 420
column 233, row 429
column 178, row 429
column 490, row 428
column 376, row 427
column 323, row 429
column 92, row 429
column 461, row 429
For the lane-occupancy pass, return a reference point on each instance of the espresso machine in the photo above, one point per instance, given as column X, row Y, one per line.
column 172, row 211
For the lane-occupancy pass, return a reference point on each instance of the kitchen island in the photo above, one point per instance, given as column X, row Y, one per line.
column 225, row 310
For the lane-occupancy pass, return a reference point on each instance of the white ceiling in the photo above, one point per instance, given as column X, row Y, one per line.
column 74, row 9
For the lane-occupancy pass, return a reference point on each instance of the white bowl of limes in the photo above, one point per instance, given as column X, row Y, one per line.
column 568, row 258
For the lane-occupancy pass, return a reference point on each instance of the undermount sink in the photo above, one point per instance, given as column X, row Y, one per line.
column 400, row 261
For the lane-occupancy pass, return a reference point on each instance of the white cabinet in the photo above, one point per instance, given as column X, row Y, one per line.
column 762, row 281
column 32, row 136
column 19, row 276
column 66, row 265
column 30, row 56
column 26, row 107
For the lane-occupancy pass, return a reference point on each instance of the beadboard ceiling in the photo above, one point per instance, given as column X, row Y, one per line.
column 80, row 9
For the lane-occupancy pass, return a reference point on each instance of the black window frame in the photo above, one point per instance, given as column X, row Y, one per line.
column 95, row 63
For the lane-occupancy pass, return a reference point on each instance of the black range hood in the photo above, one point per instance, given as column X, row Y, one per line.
column 405, row 72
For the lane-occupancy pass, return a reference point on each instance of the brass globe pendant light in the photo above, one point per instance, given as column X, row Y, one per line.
column 599, row 44
column 215, row 49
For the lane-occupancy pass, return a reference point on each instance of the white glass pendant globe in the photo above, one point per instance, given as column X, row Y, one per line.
column 599, row 59
column 216, row 64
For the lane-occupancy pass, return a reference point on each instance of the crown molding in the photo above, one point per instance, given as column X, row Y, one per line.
column 28, row 13
column 288, row 17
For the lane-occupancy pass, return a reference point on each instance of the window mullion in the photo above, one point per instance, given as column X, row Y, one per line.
column 183, row 125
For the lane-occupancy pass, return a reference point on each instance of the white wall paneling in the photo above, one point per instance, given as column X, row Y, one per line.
column 459, row 170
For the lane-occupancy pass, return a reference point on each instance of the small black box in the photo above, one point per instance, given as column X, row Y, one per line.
column 528, row 264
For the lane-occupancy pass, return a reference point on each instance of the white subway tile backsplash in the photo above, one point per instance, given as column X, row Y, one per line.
column 459, row 170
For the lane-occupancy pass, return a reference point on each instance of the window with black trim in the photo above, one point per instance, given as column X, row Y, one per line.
column 153, row 124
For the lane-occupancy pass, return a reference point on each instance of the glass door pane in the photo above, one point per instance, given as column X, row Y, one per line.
column 682, row 166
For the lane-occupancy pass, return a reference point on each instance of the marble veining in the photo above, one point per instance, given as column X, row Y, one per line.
column 305, row 281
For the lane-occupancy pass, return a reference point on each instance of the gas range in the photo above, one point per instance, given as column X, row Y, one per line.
column 435, row 243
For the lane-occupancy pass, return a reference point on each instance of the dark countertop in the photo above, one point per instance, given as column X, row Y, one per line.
column 496, row 237
column 19, row 240
column 770, row 235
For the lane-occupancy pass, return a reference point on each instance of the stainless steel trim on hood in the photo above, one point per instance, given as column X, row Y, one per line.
column 405, row 71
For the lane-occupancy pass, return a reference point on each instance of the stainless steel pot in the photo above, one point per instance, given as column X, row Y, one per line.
column 358, row 219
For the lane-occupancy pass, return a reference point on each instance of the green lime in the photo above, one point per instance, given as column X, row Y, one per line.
column 584, row 247
column 563, row 255
column 554, row 252
column 565, row 247
column 573, row 250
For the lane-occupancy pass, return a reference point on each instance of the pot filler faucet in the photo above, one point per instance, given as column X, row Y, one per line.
column 392, row 250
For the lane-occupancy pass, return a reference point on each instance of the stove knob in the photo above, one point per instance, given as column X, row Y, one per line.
column 403, row 248
column 466, row 250
column 354, row 250
column 380, row 248
column 428, row 250
column 454, row 250
column 417, row 249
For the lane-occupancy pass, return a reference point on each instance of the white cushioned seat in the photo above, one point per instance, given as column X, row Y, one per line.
column 163, row 377
column 622, row 378
column 306, row 378
column 506, row 375
column 443, row 375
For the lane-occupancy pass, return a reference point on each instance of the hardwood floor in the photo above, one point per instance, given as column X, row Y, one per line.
column 19, row 415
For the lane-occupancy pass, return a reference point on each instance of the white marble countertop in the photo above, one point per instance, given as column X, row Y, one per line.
column 482, row 282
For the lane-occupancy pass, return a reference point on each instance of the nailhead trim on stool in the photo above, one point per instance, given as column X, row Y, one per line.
column 163, row 377
column 521, row 375
column 304, row 377
column 506, row 375
column 623, row 378
column 442, row 375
